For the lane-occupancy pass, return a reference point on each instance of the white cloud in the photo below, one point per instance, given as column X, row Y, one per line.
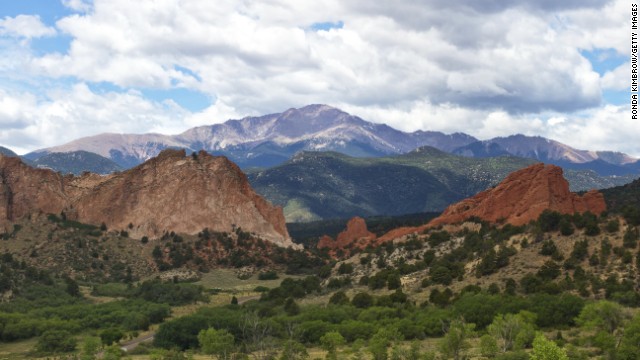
column 25, row 26
column 259, row 57
column 485, row 68
column 77, row 5
column 618, row 78
column 28, row 122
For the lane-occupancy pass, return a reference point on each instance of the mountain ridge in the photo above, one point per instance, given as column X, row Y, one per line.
column 269, row 140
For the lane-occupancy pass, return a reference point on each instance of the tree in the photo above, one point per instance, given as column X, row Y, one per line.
column 291, row 307
column 72, row 287
column 90, row 348
column 602, row 315
column 456, row 341
column 380, row 342
column 362, row 300
column 339, row 298
column 56, row 341
column 110, row 336
column 330, row 342
column 544, row 349
column 512, row 331
column 293, row 350
column 216, row 342
column 630, row 239
column 113, row 352
column 488, row 346
column 566, row 228
column 628, row 349
column 606, row 318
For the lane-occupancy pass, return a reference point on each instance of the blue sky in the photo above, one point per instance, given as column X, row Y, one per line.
column 74, row 68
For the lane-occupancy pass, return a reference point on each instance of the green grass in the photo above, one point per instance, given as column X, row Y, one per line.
column 17, row 349
column 227, row 280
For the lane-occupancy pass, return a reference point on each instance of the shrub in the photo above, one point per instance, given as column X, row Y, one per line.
column 56, row 341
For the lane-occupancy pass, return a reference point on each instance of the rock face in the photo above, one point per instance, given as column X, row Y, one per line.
column 356, row 235
column 523, row 196
column 172, row 192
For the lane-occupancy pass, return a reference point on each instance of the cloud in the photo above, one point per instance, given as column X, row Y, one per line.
column 486, row 68
column 28, row 122
column 263, row 56
column 25, row 26
column 618, row 78
column 77, row 5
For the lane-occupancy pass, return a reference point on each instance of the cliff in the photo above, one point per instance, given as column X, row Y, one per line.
column 172, row 192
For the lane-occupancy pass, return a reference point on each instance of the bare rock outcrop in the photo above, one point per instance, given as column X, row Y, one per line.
column 172, row 192
column 522, row 196
column 356, row 235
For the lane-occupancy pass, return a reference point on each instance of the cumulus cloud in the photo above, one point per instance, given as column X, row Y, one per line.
column 263, row 55
column 486, row 68
column 28, row 122
column 25, row 26
column 618, row 78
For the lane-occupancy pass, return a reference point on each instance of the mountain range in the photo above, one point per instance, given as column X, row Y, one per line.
column 323, row 185
column 319, row 162
column 270, row 140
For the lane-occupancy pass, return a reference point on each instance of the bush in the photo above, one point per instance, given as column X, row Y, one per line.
column 345, row 269
column 268, row 275
column 56, row 341
column 362, row 300
column 339, row 298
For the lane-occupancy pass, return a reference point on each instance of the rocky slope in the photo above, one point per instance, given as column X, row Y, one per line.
column 172, row 192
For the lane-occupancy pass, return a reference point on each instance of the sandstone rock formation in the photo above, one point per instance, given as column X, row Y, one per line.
column 172, row 192
column 356, row 235
column 522, row 196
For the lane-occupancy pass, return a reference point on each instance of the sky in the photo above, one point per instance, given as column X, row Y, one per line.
column 559, row 69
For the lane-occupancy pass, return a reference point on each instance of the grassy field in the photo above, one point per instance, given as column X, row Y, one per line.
column 227, row 280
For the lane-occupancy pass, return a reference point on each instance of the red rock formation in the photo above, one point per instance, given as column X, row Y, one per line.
column 172, row 192
column 522, row 196
column 356, row 235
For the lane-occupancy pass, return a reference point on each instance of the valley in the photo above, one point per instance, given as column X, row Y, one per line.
column 420, row 286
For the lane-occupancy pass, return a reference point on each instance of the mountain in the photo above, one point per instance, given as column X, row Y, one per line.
column 550, row 151
column 321, row 185
column 622, row 196
column 7, row 152
column 171, row 192
column 76, row 162
column 268, row 140
column 328, row 185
